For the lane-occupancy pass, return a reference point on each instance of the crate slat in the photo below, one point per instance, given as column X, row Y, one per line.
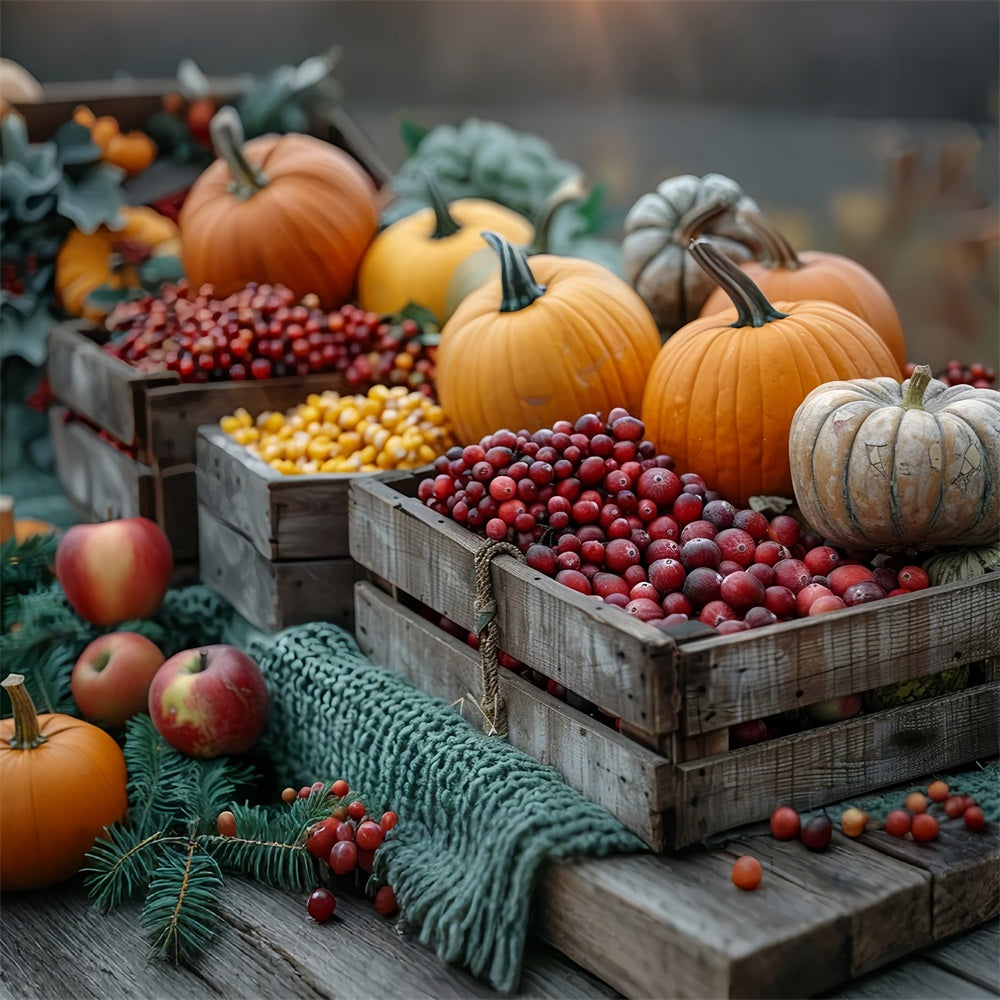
column 273, row 595
column 630, row 781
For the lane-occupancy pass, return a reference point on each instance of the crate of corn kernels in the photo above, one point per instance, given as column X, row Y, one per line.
column 272, row 491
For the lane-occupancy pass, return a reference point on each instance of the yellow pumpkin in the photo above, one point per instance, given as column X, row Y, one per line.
column 543, row 343
column 414, row 259
column 110, row 257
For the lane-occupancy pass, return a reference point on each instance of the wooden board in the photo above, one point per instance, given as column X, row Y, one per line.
column 101, row 481
column 285, row 517
column 637, row 672
column 175, row 496
column 273, row 595
column 672, row 804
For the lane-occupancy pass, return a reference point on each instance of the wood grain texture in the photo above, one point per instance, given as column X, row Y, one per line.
column 834, row 762
column 286, row 517
column 54, row 945
column 273, row 595
column 916, row 979
column 631, row 782
column 797, row 663
column 102, row 482
column 974, row 956
column 175, row 496
column 173, row 413
column 102, row 388
column 591, row 648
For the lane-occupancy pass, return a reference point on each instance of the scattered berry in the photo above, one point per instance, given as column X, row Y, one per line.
column 898, row 822
column 853, row 822
column 385, row 901
column 924, row 827
column 916, row 802
column 974, row 818
column 226, row 824
column 785, row 823
column 817, row 833
column 937, row 791
column 321, row 905
column 746, row 873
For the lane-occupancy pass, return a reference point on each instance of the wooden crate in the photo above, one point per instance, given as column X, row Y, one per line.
column 670, row 774
column 155, row 417
column 274, row 546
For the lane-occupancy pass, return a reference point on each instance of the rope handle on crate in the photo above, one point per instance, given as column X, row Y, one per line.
column 493, row 708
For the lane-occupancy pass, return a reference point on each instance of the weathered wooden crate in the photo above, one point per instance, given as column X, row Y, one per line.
column 669, row 774
column 274, row 546
column 155, row 417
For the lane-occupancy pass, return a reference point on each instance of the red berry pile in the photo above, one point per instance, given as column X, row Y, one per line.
column 956, row 373
column 262, row 332
column 345, row 842
column 593, row 505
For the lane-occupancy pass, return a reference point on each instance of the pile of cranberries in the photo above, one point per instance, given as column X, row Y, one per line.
column 593, row 505
column 976, row 374
column 262, row 332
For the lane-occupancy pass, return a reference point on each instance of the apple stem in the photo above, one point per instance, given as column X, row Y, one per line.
column 202, row 660
column 27, row 734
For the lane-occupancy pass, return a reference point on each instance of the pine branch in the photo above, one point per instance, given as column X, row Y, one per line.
column 180, row 911
column 215, row 787
column 121, row 863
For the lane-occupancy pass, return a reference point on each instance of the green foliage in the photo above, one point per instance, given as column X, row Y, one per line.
column 169, row 848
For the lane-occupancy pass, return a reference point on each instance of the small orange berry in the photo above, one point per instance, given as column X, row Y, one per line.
column 916, row 802
column 937, row 791
column 853, row 822
column 746, row 873
column 924, row 827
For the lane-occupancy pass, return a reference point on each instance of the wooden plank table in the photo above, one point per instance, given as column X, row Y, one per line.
column 871, row 918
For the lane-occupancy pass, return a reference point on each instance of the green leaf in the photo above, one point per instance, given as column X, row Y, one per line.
column 74, row 145
column 191, row 81
column 105, row 298
column 30, row 196
column 24, row 336
column 412, row 135
column 95, row 200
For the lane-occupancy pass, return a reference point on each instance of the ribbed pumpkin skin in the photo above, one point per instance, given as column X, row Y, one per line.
column 871, row 474
column 84, row 260
column 307, row 228
column 584, row 346
column 405, row 264
column 949, row 566
column 56, row 799
column 720, row 399
column 830, row 277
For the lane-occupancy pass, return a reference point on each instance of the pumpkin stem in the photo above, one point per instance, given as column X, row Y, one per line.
column 571, row 189
column 778, row 252
column 752, row 308
column 690, row 225
column 444, row 222
column 916, row 386
column 226, row 130
column 27, row 734
column 516, row 280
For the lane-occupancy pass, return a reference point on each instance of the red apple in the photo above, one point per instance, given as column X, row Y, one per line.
column 111, row 678
column 113, row 571
column 835, row 709
column 209, row 701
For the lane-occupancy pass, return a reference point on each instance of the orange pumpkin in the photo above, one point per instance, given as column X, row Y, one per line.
column 784, row 275
column 86, row 261
column 20, row 529
column 288, row 209
column 537, row 344
column 722, row 392
column 62, row 780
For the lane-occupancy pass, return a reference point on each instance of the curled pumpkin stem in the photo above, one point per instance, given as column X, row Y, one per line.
column 778, row 252
column 752, row 307
column 227, row 139
column 444, row 222
column 916, row 387
column 518, row 285
column 27, row 734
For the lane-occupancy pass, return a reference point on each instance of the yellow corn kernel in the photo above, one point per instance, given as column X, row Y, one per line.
column 318, row 449
column 285, row 431
column 349, row 442
column 367, row 454
column 330, row 465
column 348, row 417
column 309, row 413
column 379, row 392
column 246, row 435
column 271, row 421
column 230, row 424
column 389, row 418
column 427, row 454
column 434, row 414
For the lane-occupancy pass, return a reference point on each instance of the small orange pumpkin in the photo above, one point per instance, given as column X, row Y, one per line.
column 537, row 344
column 20, row 529
column 414, row 260
column 784, row 275
column 62, row 780
column 86, row 261
column 722, row 392
column 280, row 209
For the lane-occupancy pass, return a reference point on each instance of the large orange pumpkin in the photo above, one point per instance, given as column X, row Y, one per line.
column 537, row 344
column 111, row 257
column 788, row 276
column 722, row 392
column 288, row 209
column 62, row 780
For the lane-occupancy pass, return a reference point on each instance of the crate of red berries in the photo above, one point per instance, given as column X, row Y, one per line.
column 693, row 709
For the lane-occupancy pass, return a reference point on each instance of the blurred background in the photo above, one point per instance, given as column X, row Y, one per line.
column 865, row 128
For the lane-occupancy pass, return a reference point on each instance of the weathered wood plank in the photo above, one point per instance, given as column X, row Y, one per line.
column 918, row 978
column 886, row 902
column 175, row 495
column 273, row 595
column 628, row 780
column 54, row 945
column 965, row 872
column 102, row 482
column 286, row 517
column 102, row 388
column 612, row 659
column 677, row 927
column 836, row 761
column 797, row 663
column 974, row 956
column 175, row 412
